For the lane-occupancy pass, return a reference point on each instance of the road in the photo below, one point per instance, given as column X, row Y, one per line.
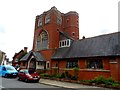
column 14, row 84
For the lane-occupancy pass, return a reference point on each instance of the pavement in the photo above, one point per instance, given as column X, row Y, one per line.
column 70, row 85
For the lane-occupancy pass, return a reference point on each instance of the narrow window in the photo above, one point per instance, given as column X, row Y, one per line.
column 48, row 65
column 47, row 19
column 59, row 20
column 40, row 22
column 62, row 43
column 68, row 42
column 56, row 65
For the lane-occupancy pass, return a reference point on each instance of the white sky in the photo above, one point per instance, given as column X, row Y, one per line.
column 17, row 19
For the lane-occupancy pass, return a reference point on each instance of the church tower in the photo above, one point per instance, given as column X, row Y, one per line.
column 54, row 30
column 50, row 24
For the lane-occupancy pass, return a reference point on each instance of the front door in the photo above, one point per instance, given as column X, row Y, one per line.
column 32, row 65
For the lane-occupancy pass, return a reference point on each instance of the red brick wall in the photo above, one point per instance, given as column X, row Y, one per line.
column 52, row 27
column 118, row 69
column 84, row 73
column 71, row 24
column 115, row 71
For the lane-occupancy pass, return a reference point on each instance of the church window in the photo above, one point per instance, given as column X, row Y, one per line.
column 47, row 19
column 42, row 41
column 40, row 22
column 43, row 36
column 59, row 20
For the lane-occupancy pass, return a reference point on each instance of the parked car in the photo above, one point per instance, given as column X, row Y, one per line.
column 27, row 76
column 8, row 71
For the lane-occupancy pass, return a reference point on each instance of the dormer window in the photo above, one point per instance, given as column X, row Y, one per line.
column 40, row 22
column 64, row 43
column 47, row 19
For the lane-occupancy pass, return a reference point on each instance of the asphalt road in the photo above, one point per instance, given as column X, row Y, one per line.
column 14, row 84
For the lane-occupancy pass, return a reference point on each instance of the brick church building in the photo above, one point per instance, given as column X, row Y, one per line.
column 56, row 45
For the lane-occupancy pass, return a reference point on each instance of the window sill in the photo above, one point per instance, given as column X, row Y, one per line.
column 113, row 62
column 55, row 67
column 94, row 70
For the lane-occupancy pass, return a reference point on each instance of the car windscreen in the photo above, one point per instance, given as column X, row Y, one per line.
column 26, row 72
column 10, row 68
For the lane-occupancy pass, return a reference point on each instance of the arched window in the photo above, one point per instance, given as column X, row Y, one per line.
column 47, row 19
column 40, row 22
column 42, row 40
column 43, row 36
column 59, row 20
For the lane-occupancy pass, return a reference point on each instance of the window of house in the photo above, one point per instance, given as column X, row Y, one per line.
column 94, row 64
column 59, row 20
column 65, row 43
column 72, row 64
column 47, row 19
column 40, row 22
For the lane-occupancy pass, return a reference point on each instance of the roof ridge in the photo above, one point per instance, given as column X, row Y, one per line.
column 103, row 35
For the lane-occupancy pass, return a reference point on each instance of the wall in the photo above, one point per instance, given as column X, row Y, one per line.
column 84, row 73
column 114, row 68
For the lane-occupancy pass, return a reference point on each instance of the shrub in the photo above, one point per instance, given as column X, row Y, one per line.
column 115, row 84
column 62, row 75
column 74, row 78
column 109, row 81
column 44, row 75
column 99, row 80
column 67, row 75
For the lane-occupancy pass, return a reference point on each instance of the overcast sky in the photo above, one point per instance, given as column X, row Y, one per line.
column 17, row 19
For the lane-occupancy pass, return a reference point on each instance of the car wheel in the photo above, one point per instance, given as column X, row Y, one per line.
column 37, row 81
column 19, row 78
column 26, row 80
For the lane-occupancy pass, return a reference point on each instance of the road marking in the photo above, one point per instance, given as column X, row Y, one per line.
column 2, row 87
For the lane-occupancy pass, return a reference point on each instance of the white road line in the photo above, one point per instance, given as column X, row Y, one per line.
column 1, row 86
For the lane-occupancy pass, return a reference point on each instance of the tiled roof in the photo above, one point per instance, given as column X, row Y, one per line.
column 103, row 45
column 37, row 56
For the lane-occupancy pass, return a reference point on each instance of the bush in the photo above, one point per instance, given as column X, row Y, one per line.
column 58, row 75
column 74, row 77
column 109, row 81
column 62, row 75
column 99, row 80
column 67, row 75
column 44, row 75
column 115, row 84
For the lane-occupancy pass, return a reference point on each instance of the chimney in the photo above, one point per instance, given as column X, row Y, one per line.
column 25, row 49
column 83, row 37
